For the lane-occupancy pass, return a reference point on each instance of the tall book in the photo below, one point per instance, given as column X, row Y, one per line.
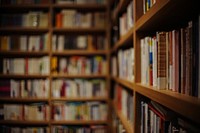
column 182, row 78
column 161, row 60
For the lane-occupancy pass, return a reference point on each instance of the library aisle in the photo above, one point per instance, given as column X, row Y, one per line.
column 99, row 66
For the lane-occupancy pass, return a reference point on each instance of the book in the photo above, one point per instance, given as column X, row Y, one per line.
column 161, row 38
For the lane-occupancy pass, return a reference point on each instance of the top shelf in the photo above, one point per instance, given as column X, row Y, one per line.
column 167, row 13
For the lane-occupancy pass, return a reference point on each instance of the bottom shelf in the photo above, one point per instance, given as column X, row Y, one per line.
column 184, row 105
column 152, row 116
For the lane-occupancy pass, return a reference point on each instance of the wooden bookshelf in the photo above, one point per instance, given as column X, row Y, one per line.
column 23, row 100
column 51, row 9
column 80, row 30
column 23, row 76
column 24, row 53
column 24, row 123
column 124, row 42
column 23, row 30
column 164, row 15
column 26, row 7
column 80, row 99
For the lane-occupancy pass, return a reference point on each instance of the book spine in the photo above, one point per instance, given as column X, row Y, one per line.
column 161, row 37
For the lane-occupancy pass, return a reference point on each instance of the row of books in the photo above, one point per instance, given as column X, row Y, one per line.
column 26, row 65
column 124, row 102
column 8, row 129
column 31, row 19
column 126, row 21
column 147, row 4
column 24, row 88
column 80, row 1
column 78, row 88
column 73, row 18
column 24, row 42
column 155, row 119
column 125, row 60
column 170, row 60
column 63, row 42
column 33, row 111
column 79, row 65
column 79, row 111
column 18, row 2
column 79, row 129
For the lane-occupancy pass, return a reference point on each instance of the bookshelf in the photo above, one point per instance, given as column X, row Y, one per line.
column 96, row 50
column 147, row 25
column 163, row 15
column 122, row 76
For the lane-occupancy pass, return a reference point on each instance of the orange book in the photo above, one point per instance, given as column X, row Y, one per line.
column 54, row 63
column 59, row 20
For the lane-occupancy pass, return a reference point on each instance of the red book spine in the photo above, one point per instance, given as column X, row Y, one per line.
column 59, row 20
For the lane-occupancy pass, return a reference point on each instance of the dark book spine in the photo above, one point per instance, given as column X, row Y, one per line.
column 183, row 54
column 195, row 51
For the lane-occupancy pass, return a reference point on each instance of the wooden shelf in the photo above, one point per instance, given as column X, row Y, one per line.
column 80, row 52
column 80, row 30
column 79, row 122
column 124, row 40
column 78, row 76
column 187, row 106
column 23, row 123
column 173, row 16
column 126, row 124
column 123, row 82
column 96, row 7
column 25, row 6
column 23, row 53
column 80, row 99
column 39, row 76
column 51, row 9
column 22, row 100
column 23, row 30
